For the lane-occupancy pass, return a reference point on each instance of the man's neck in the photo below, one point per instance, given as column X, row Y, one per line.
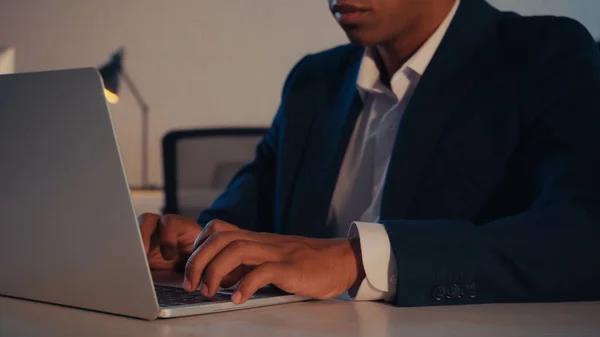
column 394, row 53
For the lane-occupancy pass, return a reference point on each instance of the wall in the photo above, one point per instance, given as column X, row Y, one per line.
column 199, row 63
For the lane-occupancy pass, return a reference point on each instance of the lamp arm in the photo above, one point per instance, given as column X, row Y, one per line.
column 136, row 94
column 145, row 127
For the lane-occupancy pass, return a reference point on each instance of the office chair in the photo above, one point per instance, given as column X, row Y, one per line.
column 199, row 164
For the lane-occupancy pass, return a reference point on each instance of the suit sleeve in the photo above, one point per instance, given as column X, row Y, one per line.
column 549, row 252
column 247, row 201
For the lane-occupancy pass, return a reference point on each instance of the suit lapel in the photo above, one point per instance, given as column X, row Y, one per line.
column 330, row 134
column 446, row 81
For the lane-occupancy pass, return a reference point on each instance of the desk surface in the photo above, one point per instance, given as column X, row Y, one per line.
column 327, row 318
column 148, row 201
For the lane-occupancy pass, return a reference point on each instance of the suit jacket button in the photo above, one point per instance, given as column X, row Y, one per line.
column 438, row 292
column 454, row 291
column 470, row 290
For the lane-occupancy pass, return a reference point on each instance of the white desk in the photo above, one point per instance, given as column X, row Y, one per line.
column 148, row 201
column 191, row 201
column 311, row 319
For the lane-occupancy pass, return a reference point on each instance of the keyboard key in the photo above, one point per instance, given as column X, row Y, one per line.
column 172, row 297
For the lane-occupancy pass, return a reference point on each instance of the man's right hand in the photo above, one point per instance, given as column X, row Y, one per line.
column 168, row 240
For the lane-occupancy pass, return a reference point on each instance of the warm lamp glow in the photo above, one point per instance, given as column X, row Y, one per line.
column 111, row 97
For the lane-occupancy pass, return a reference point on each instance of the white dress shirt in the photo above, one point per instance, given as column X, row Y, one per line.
column 357, row 196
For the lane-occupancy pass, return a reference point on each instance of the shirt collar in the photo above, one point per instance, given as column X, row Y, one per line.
column 369, row 77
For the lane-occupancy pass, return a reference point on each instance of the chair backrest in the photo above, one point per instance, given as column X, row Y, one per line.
column 199, row 164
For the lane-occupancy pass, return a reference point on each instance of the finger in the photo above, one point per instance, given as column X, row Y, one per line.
column 236, row 254
column 214, row 226
column 157, row 262
column 206, row 252
column 148, row 223
column 167, row 236
column 235, row 276
column 261, row 276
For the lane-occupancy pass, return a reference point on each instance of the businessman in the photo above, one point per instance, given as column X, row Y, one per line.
column 449, row 155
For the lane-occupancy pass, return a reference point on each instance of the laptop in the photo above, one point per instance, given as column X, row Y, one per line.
column 69, row 230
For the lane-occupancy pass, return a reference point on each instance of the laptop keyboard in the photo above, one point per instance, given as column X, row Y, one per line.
column 173, row 297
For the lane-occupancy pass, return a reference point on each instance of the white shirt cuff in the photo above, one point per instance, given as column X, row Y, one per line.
column 378, row 260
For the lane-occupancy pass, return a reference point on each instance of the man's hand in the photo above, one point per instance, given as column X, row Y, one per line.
column 168, row 240
column 316, row 268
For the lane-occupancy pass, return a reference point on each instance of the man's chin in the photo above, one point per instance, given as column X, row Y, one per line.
column 360, row 37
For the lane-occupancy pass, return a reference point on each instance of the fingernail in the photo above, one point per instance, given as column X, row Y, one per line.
column 204, row 290
column 236, row 297
column 187, row 285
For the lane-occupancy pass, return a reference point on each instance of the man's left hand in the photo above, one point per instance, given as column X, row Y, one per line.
column 315, row 268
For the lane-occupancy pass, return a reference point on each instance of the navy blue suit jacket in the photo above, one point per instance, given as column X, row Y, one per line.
column 493, row 188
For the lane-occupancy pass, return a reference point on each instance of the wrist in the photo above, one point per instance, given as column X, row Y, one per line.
column 355, row 264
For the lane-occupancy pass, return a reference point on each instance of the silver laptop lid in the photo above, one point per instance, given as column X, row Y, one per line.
column 69, row 232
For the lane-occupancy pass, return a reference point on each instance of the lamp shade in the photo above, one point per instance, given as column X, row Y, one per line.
column 110, row 73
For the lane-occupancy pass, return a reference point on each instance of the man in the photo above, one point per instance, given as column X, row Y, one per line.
column 457, row 143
